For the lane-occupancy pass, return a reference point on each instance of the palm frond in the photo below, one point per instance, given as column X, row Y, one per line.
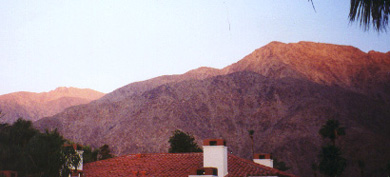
column 370, row 12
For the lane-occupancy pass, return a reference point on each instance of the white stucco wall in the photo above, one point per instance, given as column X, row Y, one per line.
column 216, row 156
column 266, row 162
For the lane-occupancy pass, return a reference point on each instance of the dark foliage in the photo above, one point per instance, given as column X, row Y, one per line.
column 31, row 153
column 104, row 152
column 367, row 12
column 251, row 132
column 314, row 167
column 332, row 130
column 388, row 168
column 72, row 160
column 331, row 161
column 21, row 132
column 44, row 153
column 182, row 142
column 90, row 155
column 13, row 141
column 361, row 166
column 280, row 165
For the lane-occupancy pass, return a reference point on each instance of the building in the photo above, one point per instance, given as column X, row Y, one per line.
column 214, row 161
column 79, row 151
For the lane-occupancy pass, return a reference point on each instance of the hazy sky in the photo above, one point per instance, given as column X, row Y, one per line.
column 105, row 45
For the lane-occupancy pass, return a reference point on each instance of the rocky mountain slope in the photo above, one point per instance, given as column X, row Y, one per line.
column 328, row 64
column 140, row 87
column 33, row 106
column 284, row 92
column 325, row 64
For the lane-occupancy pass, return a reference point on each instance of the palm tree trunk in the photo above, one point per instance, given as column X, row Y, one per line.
column 253, row 151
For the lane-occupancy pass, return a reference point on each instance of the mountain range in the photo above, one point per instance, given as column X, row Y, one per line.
column 33, row 106
column 284, row 92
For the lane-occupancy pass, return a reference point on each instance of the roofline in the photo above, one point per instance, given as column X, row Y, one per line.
column 229, row 155
column 135, row 154
column 262, row 166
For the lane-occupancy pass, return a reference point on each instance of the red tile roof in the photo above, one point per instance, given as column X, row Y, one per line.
column 171, row 164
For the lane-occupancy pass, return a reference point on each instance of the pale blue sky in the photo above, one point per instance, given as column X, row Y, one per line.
column 105, row 45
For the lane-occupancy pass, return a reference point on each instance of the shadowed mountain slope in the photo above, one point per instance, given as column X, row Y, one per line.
column 284, row 92
column 142, row 86
column 286, row 115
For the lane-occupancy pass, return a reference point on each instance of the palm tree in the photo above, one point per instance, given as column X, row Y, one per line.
column 314, row 167
column 361, row 166
column 367, row 12
column 332, row 130
column 388, row 168
column 251, row 132
column 331, row 162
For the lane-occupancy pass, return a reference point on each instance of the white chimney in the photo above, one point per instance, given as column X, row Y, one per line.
column 264, row 159
column 215, row 155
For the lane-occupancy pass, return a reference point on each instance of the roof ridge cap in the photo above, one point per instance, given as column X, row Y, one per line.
column 259, row 165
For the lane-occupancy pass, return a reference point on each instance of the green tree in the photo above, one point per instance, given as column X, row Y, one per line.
column 90, row 155
column 182, row 142
column 21, row 132
column 280, row 165
column 31, row 153
column 5, row 148
column 71, row 160
column 45, row 154
column 104, row 152
column 331, row 163
column 13, row 141
column 332, row 130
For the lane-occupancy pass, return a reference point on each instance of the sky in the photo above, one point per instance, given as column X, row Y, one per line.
column 104, row 45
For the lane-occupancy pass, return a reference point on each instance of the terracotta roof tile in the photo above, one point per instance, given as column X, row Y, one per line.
column 171, row 164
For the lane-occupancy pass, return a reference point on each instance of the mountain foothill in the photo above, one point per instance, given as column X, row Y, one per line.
column 284, row 92
column 34, row 106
